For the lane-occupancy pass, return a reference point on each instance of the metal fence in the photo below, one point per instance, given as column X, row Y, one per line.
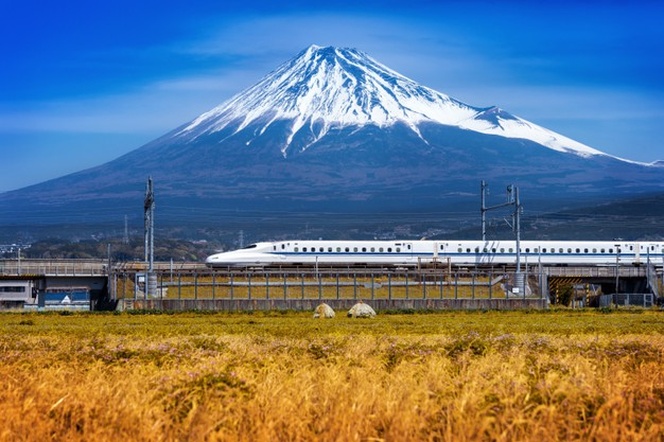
column 325, row 285
column 645, row 300
column 53, row 267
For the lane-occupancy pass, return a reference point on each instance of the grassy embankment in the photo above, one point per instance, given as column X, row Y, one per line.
column 448, row 376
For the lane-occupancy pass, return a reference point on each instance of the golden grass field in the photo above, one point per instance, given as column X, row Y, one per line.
column 450, row 376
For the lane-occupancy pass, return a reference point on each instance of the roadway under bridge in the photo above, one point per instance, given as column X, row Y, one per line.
column 64, row 284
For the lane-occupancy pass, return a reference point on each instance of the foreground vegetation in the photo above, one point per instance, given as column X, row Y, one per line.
column 284, row 376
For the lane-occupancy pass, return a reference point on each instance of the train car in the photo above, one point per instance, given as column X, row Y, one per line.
column 457, row 252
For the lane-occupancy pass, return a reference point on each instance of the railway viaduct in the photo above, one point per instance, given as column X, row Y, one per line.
column 96, row 285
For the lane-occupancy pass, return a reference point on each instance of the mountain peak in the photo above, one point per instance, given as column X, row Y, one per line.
column 325, row 88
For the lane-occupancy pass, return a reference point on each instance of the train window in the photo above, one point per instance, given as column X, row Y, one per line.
column 468, row 250
column 297, row 249
column 380, row 249
column 601, row 251
column 544, row 250
column 389, row 249
column 274, row 248
column 354, row 249
column 485, row 250
column 459, row 250
column 511, row 250
column 347, row 249
column 594, row 250
column 304, row 249
column 338, row 249
column 283, row 246
column 585, row 250
column 441, row 247
column 329, row 249
column 578, row 250
column 477, row 249
column 502, row 250
column 364, row 249
column 569, row 250
column 398, row 249
column 611, row 250
column 373, row 249
column 493, row 250
column 527, row 249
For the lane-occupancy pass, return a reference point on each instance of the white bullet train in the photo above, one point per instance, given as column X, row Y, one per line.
column 457, row 252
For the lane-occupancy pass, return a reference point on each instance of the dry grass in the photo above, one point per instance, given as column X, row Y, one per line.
column 441, row 377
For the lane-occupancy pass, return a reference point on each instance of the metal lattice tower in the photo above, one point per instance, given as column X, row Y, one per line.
column 148, row 213
column 512, row 200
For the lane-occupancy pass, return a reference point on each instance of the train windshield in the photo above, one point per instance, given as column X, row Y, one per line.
column 251, row 246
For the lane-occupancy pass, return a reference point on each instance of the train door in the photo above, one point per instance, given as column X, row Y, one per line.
column 635, row 248
column 650, row 252
column 408, row 251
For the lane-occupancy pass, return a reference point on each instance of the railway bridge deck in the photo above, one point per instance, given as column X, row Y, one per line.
column 191, row 285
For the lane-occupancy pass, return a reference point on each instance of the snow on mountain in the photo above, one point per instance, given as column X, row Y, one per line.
column 326, row 88
column 495, row 121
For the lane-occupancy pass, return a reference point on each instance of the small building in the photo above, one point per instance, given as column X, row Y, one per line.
column 17, row 293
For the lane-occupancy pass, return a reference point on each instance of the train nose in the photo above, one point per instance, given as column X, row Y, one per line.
column 211, row 259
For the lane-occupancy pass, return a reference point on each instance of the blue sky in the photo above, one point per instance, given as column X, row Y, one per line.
column 83, row 82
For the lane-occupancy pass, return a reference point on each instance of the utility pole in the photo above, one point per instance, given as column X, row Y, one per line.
column 513, row 192
column 483, row 189
column 125, row 239
column 617, row 272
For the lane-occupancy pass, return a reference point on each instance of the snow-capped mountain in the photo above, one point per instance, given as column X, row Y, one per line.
column 334, row 134
column 326, row 88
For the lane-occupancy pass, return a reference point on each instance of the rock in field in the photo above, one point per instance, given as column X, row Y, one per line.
column 323, row 311
column 361, row 310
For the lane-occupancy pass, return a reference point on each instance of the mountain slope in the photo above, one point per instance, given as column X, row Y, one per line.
column 330, row 88
column 332, row 133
